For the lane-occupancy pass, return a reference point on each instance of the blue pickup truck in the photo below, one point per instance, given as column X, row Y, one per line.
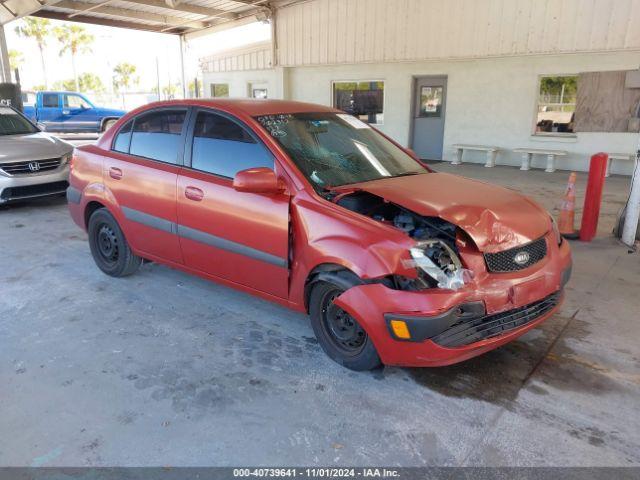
column 68, row 112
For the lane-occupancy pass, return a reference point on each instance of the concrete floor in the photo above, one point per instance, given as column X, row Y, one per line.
column 165, row 369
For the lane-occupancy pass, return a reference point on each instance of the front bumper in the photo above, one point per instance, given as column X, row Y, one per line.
column 23, row 187
column 450, row 326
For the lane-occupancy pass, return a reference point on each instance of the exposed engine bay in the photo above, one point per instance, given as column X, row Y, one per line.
column 435, row 254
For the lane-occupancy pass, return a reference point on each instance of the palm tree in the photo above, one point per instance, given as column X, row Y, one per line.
column 74, row 39
column 16, row 59
column 123, row 76
column 39, row 29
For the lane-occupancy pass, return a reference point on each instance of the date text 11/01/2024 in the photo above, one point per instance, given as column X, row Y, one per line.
column 316, row 472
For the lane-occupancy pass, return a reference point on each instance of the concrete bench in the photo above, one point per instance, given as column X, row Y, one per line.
column 491, row 153
column 619, row 156
column 551, row 155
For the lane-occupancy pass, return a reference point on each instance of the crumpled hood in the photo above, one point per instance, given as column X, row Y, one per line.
column 35, row 146
column 495, row 217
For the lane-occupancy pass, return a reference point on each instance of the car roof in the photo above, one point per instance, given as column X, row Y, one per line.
column 250, row 106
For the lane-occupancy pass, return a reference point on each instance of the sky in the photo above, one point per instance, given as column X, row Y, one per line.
column 115, row 45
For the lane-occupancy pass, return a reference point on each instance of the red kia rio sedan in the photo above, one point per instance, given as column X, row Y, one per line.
column 314, row 209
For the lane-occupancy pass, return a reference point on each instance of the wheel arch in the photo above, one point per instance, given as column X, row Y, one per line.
column 91, row 207
column 104, row 121
column 330, row 272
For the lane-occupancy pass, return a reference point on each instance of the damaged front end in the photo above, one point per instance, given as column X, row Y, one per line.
column 435, row 255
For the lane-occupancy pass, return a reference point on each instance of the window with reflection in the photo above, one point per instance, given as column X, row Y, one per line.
column 223, row 147
column 364, row 100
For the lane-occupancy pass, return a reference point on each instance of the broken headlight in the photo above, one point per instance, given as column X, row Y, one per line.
column 556, row 230
column 440, row 262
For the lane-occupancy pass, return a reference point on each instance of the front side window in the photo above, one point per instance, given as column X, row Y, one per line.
column 50, row 100
column 223, row 147
column 220, row 90
column 157, row 135
column 556, row 104
column 337, row 149
column 12, row 123
column 364, row 100
column 76, row 101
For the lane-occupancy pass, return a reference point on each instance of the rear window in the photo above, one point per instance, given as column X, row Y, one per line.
column 50, row 100
column 157, row 135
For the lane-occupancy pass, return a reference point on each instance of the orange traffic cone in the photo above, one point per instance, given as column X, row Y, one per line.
column 567, row 210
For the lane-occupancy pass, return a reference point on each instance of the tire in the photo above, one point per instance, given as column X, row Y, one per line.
column 339, row 334
column 109, row 248
column 108, row 124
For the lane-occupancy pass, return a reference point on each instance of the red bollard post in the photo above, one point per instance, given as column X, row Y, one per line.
column 593, row 197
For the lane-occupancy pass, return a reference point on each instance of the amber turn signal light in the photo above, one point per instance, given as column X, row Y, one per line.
column 400, row 329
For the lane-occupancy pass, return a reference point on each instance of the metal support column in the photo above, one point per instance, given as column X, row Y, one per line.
column 633, row 205
column 183, row 75
column 5, row 68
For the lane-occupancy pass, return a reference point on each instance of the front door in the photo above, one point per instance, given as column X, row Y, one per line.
column 78, row 114
column 239, row 236
column 430, row 95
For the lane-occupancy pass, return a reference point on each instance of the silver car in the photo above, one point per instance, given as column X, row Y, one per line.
column 32, row 163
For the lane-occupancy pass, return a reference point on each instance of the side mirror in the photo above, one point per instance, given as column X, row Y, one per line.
column 257, row 180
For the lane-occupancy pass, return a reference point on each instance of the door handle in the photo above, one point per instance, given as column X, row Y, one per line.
column 66, row 112
column 115, row 173
column 194, row 193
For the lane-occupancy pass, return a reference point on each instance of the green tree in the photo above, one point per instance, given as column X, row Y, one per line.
column 67, row 85
column 192, row 89
column 16, row 59
column 169, row 91
column 90, row 82
column 39, row 29
column 123, row 76
column 74, row 39
column 87, row 82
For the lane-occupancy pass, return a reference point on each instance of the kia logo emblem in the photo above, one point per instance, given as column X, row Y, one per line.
column 34, row 166
column 521, row 258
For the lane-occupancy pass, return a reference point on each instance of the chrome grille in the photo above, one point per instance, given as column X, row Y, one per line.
column 505, row 261
column 30, row 166
column 476, row 329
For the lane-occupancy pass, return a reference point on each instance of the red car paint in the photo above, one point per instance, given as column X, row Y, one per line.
column 308, row 231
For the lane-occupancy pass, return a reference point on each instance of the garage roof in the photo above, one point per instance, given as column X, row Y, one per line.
column 166, row 16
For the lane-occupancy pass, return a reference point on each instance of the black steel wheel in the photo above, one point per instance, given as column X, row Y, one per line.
column 109, row 248
column 339, row 334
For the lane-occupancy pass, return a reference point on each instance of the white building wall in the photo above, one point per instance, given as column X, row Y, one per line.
column 489, row 101
column 351, row 31
column 240, row 82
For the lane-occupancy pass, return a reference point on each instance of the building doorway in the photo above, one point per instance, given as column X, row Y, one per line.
column 429, row 101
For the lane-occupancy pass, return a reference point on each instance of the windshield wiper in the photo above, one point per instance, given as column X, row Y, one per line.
column 407, row 174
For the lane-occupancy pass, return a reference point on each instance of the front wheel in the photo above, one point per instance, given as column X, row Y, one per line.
column 109, row 248
column 339, row 334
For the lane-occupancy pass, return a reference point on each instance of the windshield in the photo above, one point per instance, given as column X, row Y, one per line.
column 12, row 123
column 333, row 149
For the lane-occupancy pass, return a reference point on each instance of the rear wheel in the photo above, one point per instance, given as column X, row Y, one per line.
column 108, row 124
column 339, row 334
column 109, row 248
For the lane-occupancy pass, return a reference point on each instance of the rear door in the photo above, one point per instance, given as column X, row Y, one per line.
column 50, row 111
column 239, row 236
column 142, row 172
